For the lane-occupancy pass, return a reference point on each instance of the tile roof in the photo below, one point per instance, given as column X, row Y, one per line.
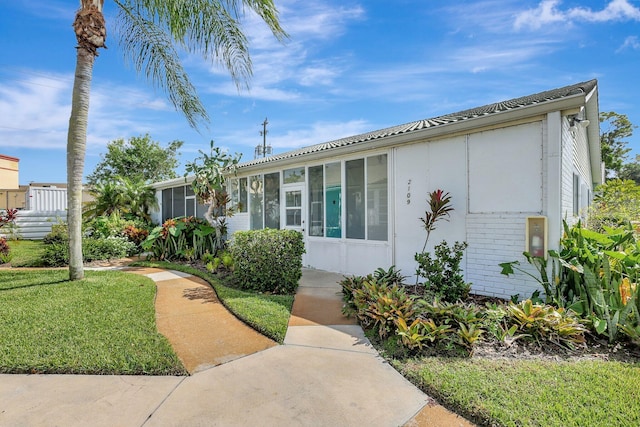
column 498, row 107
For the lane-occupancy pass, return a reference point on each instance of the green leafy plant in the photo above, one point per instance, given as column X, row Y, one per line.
column 391, row 276
column 182, row 238
column 594, row 274
column 5, row 251
column 267, row 260
column 439, row 208
column 6, row 219
column 209, row 172
column 546, row 323
column 442, row 273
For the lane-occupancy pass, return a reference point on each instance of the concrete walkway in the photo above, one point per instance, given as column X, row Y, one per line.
column 326, row 373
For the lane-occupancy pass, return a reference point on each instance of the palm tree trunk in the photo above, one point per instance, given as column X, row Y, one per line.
column 90, row 32
column 76, row 148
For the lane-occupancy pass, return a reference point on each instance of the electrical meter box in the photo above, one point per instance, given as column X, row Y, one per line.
column 536, row 236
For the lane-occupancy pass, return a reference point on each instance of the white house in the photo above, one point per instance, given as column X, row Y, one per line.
column 514, row 169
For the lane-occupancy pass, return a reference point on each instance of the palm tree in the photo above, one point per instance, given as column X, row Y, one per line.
column 151, row 32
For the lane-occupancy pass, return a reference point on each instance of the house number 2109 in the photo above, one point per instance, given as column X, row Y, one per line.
column 409, row 192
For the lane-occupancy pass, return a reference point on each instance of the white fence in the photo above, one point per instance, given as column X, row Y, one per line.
column 34, row 225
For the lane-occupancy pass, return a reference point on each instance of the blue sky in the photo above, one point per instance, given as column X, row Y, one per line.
column 350, row 66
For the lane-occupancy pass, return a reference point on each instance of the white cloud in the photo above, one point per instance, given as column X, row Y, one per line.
column 35, row 109
column 275, row 65
column 319, row 132
column 548, row 12
column 630, row 42
column 314, row 133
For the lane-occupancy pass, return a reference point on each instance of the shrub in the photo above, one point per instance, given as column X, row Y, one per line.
column 268, row 260
column 443, row 275
column 59, row 234
column 5, row 252
column 136, row 236
column 56, row 254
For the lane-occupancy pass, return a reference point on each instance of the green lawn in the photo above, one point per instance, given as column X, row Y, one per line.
column 532, row 393
column 268, row 314
column 103, row 324
column 26, row 253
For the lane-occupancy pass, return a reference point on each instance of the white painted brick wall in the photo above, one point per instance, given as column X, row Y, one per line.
column 494, row 239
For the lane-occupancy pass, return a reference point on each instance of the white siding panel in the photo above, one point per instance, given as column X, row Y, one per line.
column 347, row 257
column 420, row 169
column 505, row 169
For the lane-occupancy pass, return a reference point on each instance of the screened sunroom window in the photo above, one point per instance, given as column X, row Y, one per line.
column 377, row 221
column 316, row 201
column 354, row 170
column 272, row 200
column 292, row 176
column 239, row 194
column 333, row 192
column 255, row 202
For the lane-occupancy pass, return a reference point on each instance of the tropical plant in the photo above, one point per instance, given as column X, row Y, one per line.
column 150, row 32
column 5, row 251
column 439, row 208
column 209, row 176
column 182, row 238
column 442, row 273
column 124, row 197
column 595, row 275
column 546, row 323
column 7, row 218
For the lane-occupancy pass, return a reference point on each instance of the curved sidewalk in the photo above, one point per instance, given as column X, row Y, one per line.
column 326, row 373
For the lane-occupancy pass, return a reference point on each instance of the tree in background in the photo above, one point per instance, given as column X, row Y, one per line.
column 631, row 170
column 151, row 33
column 617, row 127
column 140, row 159
column 616, row 203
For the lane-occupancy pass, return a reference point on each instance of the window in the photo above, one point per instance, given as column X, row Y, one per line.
column 354, row 170
column 178, row 202
column 167, row 211
column 256, row 220
column 292, row 176
column 190, row 201
column 316, row 201
column 293, row 199
column 239, row 194
column 377, row 197
column 333, row 192
column 576, row 195
column 242, row 206
column 272, row 200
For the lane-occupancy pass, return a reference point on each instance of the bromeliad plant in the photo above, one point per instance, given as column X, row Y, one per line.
column 185, row 238
column 595, row 275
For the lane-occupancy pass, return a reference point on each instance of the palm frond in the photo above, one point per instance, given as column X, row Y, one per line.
column 151, row 51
